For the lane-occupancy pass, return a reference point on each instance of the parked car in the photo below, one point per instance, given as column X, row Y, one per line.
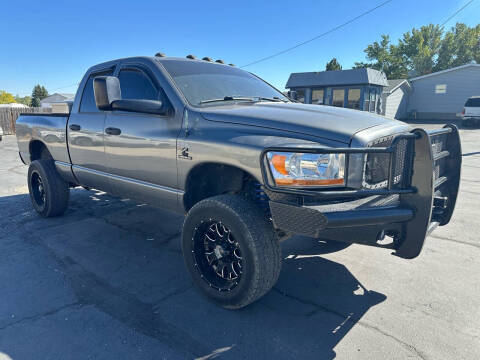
column 471, row 111
column 1, row 133
column 249, row 167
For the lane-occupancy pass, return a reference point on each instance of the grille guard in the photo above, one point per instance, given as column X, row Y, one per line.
column 429, row 191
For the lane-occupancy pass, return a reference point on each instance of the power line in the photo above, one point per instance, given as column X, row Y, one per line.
column 456, row 12
column 64, row 87
column 320, row 35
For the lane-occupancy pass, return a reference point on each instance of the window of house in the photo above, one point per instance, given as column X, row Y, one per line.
column 135, row 84
column 300, row 95
column 441, row 89
column 317, row 96
column 353, row 99
column 373, row 93
column 338, row 97
column 87, row 103
column 366, row 101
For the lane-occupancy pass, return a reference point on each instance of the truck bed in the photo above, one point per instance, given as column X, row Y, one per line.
column 47, row 128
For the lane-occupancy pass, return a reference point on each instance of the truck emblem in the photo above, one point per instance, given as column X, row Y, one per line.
column 184, row 154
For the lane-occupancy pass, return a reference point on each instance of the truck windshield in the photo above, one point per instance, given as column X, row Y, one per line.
column 204, row 83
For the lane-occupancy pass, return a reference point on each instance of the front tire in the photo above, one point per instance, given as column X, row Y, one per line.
column 230, row 250
column 48, row 191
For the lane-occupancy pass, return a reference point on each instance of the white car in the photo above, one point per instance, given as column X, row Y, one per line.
column 471, row 111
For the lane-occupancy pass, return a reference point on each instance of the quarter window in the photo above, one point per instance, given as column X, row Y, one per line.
column 87, row 103
column 135, row 84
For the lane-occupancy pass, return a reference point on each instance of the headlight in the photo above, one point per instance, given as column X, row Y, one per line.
column 307, row 169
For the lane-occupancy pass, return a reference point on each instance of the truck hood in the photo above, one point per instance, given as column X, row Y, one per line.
column 333, row 123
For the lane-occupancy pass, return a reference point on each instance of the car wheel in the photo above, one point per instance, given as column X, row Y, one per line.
column 48, row 191
column 230, row 250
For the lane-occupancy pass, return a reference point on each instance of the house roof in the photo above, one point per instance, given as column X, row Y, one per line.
column 336, row 78
column 57, row 97
column 394, row 84
column 445, row 71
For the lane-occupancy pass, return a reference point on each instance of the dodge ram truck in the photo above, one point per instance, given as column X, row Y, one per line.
column 247, row 165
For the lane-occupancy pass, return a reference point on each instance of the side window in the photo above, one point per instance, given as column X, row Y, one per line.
column 135, row 84
column 87, row 104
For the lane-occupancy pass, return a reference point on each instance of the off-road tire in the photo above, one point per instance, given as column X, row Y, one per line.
column 259, row 247
column 56, row 190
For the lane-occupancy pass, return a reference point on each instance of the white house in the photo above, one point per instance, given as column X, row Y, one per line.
column 13, row 105
column 56, row 98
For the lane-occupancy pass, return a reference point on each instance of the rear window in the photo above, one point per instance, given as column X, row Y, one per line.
column 87, row 104
column 473, row 102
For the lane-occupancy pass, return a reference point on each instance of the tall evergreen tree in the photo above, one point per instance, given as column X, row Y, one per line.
column 333, row 65
column 39, row 93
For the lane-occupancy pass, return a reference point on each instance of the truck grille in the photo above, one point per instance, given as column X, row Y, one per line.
column 377, row 165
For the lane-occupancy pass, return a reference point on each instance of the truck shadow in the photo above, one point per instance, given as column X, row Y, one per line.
column 125, row 260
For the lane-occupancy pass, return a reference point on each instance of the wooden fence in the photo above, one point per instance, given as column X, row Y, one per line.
column 8, row 116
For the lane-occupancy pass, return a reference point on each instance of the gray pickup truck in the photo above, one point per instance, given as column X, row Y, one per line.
column 248, row 166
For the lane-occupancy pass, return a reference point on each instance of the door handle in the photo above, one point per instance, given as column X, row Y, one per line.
column 75, row 127
column 113, row 131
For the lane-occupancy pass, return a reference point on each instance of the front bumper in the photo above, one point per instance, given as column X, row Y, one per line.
column 407, row 211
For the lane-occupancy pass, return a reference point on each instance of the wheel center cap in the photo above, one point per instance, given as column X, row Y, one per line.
column 219, row 252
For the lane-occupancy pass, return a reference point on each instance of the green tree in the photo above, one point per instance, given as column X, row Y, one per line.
column 425, row 50
column 385, row 57
column 38, row 93
column 459, row 46
column 333, row 65
column 6, row 98
column 419, row 48
column 26, row 100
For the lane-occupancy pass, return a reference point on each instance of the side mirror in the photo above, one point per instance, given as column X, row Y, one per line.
column 106, row 90
column 293, row 95
column 141, row 106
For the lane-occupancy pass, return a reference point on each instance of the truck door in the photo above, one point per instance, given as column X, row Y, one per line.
column 85, row 133
column 141, row 148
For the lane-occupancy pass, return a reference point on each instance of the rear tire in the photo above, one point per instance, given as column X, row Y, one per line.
column 230, row 250
column 48, row 191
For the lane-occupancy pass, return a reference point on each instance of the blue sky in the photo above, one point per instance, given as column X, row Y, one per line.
column 54, row 42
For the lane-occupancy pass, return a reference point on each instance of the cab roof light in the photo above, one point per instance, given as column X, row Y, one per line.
column 192, row 57
column 231, row 64
column 220, row 61
column 206, row 58
column 160, row 54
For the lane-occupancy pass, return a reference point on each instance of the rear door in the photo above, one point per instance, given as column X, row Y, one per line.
column 85, row 133
column 141, row 148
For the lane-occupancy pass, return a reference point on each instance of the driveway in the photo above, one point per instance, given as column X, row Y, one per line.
column 107, row 281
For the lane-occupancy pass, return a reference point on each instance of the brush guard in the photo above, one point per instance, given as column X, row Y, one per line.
column 425, row 193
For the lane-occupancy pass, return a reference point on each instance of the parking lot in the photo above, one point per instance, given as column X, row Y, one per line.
column 107, row 281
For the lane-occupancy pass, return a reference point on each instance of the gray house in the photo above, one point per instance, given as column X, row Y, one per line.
column 442, row 95
column 395, row 98
column 359, row 89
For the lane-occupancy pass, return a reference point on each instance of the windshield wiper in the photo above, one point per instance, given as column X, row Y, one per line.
column 229, row 98
column 244, row 98
column 275, row 99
